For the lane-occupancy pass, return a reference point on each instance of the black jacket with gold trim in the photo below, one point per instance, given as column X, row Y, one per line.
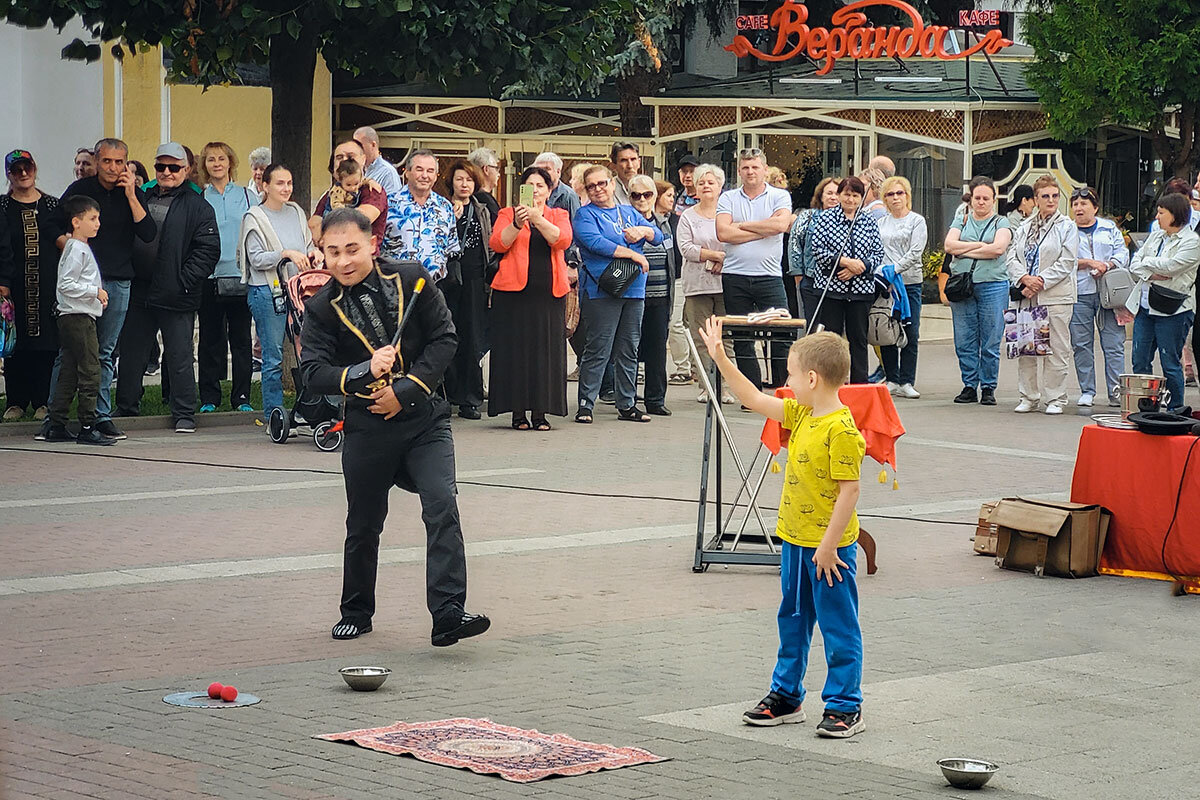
column 337, row 338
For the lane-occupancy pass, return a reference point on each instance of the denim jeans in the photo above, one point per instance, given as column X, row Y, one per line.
column 900, row 366
column 108, row 333
column 270, row 333
column 1166, row 335
column 1087, row 318
column 614, row 328
column 808, row 601
column 978, row 328
column 745, row 294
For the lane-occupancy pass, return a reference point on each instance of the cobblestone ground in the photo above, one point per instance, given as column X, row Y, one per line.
column 156, row 567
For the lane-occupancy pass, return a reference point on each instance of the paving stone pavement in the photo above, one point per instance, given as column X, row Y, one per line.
column 187, row 570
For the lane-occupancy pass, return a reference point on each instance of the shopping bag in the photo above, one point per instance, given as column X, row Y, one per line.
column 1026, row 331
column 8, row 327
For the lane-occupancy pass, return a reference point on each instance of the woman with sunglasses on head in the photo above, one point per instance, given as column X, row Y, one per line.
column 31, row 257
column 607, row 232
column 1101, row 249
column 1041, row 266
column 904, row 235
column 660, row 281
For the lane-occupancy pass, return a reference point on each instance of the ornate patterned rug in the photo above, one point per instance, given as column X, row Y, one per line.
column 482, row 746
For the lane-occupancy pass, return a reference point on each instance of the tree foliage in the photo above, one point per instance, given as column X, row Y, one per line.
column 1124, row 62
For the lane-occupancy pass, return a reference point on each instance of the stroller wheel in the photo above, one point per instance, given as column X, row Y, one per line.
column 328, row 435
column 277, row 426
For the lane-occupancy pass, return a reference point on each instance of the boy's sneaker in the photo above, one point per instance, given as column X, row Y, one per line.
column 55, row 433
column 773, row 710
column 110, row 430
column 841, row 724
column 89, row 435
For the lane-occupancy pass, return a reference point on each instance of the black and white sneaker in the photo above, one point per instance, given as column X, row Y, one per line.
column 772, row 710
column 109, row 429
column 54, row 433
column 841, row 724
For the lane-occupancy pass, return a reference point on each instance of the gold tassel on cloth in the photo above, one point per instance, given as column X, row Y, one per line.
column 775, row 466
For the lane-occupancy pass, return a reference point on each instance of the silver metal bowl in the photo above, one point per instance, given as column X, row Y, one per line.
column 967, row 773
column 364, row 679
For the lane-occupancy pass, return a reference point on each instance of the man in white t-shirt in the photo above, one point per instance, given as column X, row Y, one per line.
column 751, row 221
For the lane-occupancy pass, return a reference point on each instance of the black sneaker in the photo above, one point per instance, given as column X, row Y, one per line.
column 773, row 710
column 987, row 397
column 967, row 395
column 55, row 433
column 468, row 412
column 185, row 426
column 107, row 428
column 90, row 435
column 40, row 436
column 658, row 411
column 841, row 724
column 609, row 399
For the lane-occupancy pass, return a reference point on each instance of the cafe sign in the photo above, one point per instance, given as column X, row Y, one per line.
column 851, row 36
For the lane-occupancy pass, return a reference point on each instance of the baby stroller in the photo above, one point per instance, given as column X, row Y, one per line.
column 322, row 414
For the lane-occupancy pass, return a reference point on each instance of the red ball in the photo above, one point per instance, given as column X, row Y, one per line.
column 214, row 690
column 229, row 694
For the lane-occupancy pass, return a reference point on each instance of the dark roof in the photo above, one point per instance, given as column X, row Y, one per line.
column 764, row 84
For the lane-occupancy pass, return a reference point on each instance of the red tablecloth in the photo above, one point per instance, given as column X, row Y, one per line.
column 873, row 411
column 1137, row 477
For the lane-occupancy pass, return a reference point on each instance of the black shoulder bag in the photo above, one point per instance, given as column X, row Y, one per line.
column 961, row 286
column 619, row 274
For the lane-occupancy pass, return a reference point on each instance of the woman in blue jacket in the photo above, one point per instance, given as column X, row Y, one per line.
column 606, row 230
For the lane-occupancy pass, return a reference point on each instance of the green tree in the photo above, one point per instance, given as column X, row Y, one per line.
column 1122, row 62
column 567, row 42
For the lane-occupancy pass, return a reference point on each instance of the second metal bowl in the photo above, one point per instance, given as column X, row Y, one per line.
column 364, row 679
column 967, row 773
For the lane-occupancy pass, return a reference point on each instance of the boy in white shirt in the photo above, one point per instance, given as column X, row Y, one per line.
column 81, row 300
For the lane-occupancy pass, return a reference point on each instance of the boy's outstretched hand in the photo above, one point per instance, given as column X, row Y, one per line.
column 827, row 562
column 710, row 332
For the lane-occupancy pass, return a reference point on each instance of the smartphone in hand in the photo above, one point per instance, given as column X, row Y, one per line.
column 526, row 195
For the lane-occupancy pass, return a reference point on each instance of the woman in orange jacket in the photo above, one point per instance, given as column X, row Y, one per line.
column 528, row 325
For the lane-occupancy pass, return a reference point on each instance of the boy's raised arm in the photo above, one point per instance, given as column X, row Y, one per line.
column 749, row 395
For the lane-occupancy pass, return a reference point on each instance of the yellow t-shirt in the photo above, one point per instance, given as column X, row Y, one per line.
column 821, row 451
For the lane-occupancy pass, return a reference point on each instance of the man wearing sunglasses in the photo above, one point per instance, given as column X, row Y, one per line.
column 169, row 272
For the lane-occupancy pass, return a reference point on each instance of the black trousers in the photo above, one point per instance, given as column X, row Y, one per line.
column 849, row 318
column 468, row 308
column 27, row 378
column 414, row 451
column 652, row 350
column 137, row 342
column 743, row 295
column 809, row 296
column 224, row 324
column 80, row 369
column 793, row 298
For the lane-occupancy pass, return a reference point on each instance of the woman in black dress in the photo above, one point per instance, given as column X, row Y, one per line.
column 30, row 280
column 528, row 326
column 465, row 290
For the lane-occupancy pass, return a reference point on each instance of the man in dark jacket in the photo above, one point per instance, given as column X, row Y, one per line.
column 165, row 295
column 397, row 427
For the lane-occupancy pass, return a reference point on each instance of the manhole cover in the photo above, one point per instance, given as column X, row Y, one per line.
column 202, row 700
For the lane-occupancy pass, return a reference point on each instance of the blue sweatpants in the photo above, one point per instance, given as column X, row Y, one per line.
column 807, row 601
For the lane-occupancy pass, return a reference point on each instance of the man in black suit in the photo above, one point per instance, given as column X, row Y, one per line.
column 397, row 428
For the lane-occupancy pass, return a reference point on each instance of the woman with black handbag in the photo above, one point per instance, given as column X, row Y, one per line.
column 1164, row 300
column 612, row 291
column 224, row 312
column 978, row 291
column 528, row 319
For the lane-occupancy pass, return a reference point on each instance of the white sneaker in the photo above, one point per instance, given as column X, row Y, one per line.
column 893, row 388
column 1024, row 407
column 909, row 391
column 728, row 399
column 1085, row 400
column 703, row 398
column 1055, row 408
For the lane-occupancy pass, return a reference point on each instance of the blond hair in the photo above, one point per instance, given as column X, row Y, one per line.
column 776, row 174
column 205, row 179
column 903, row 183
column 826, row 354
column 1043, row 182
column 872, row 178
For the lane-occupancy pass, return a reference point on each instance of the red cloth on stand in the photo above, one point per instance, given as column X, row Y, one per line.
column 874, row 413
column 1138, row 478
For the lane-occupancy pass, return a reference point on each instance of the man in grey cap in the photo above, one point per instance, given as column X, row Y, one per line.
column 165, row 292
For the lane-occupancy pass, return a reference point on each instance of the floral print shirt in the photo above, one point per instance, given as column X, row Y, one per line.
column 425, row 233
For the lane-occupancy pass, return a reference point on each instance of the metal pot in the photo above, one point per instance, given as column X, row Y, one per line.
column 1134, row 388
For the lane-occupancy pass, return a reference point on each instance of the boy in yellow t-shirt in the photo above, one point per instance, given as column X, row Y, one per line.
column 819, row 529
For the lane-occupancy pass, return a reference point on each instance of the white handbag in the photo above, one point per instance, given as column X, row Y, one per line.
column 1115, row 286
